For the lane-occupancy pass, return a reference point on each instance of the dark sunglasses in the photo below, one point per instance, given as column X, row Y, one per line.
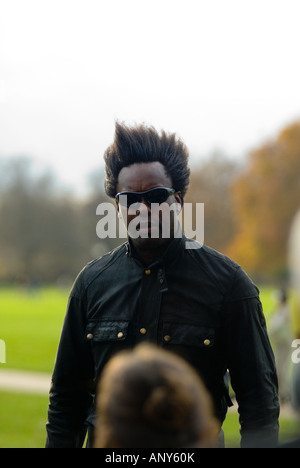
column 155, row 195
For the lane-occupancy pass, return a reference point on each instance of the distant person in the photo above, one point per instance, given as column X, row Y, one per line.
column 151, row 398
column 295, row 443
column 281, row 337
column 193, row 301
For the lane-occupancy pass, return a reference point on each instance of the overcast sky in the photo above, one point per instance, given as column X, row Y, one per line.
column 221, row 73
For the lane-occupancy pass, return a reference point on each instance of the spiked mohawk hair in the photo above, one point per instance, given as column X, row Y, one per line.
column 142, row 144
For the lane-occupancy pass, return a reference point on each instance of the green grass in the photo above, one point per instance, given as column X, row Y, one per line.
column 30, row 325
column 23, row 420
column 289, row 429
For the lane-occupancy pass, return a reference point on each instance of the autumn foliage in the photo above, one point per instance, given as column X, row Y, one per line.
column 249, row 208
column 266, row 198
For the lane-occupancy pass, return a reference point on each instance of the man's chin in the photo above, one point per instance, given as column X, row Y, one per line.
column 148, row 243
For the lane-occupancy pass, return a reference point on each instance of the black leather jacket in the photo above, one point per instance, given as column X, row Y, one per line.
column 195, row 302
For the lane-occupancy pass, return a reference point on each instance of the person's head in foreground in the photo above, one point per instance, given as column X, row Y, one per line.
column 151, row 398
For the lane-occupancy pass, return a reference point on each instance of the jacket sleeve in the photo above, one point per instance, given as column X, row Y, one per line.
column 72, row 381
column 251, row 365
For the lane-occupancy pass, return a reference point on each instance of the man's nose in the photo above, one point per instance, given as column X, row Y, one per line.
column 145, row 204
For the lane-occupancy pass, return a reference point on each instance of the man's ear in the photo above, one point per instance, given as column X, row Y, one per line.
column 179, row 198
column 179, row 202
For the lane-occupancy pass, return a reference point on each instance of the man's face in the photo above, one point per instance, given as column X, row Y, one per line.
column 149, row 225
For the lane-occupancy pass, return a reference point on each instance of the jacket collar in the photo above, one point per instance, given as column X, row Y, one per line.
column 176, row 245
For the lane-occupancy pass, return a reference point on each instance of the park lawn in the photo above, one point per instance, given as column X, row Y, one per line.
column 23, row 420
column 289, row 429
column 30, row 325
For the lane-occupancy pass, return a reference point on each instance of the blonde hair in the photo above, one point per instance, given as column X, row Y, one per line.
column 150, row 398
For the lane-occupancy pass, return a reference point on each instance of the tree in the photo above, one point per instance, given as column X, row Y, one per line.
column 45, row 233
column 210, row 184
column 40, row 239
column 266, row 197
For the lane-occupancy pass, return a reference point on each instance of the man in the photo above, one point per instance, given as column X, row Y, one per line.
column 194, row 302
column 295, row 390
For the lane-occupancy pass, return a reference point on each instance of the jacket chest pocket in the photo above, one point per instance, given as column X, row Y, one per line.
column 105, row 330
column 188, row 335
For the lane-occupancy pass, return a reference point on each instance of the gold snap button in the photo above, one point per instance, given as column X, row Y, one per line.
column 143, row 331
column 147, row 272
column 167, row 337
column 90, row 336
column 120, row 335
column 206, row 342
